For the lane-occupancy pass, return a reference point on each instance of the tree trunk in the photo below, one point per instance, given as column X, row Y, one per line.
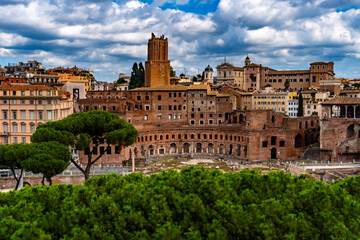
column 43, row 180
column 49, row 180
column 17, row 179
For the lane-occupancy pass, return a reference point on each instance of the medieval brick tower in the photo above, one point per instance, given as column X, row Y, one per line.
column 157, row 67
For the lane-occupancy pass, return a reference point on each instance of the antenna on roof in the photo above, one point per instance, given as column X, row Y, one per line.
column 224, row 59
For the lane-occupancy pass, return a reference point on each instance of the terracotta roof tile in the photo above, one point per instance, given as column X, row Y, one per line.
column 342, row 100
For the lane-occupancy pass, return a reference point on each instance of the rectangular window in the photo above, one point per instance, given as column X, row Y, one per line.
column 48, row 93
column 15, row 140
column 159, row 97
column 147, row 107
column 117, row 149
column 14, row 114
column 22, row 93
column 49, row 115
column 108, row 150
column 102, row 150
column 40, row 93
column 23, row 128
column 15, row 128
column 159, row 117
column 264, row 144
column 32, row 115
column 146, row 117
column 32, row 93
column 5, row 115
column 40, row 115
column 22, row 115
column 14, row 93
column 273, row 140
column 32, row 128
column 23, row 139
column 170, row 116
column 159, row 108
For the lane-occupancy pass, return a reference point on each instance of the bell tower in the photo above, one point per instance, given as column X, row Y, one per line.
column 157, row 67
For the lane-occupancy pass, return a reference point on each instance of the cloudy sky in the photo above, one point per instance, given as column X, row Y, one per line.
column 108, row 36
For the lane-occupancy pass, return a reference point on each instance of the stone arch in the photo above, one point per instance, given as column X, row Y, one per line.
column 241, row 118
column 273, row 119
column 357, row 112
column 342, row 111
column 198, row 148
column 151, row 150
column 350, row 112
column 238, row 150
column 273, row 153
column 186, row 148
column 298, row 141
column 231, row 149
column 172, row 148
column 350, row 131
column 221, row 149
column 235, row 119
column 210, row 148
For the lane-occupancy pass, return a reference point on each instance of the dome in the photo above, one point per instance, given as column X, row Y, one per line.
column 182, row 75
column 208, row 69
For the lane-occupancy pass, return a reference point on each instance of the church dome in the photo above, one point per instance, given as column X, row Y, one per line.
column 208, row 69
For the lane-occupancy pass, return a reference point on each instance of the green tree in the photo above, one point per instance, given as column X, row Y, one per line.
column 137, row 76
column 12, row 155
column 172, row 72
column 85, row 129
column 300, row 112
column 120, row 81
column 287, row 84
column 48, row 158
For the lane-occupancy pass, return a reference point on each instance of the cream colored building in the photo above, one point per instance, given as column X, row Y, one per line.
column 227, row 74
column 24, row 107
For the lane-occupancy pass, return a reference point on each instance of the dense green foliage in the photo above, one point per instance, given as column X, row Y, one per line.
column 137, row 76
column 193, row 204
column 172, row 72
column 47, row 158
column 84, row 129
column 300, row 112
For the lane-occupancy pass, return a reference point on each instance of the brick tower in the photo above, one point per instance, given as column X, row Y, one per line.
column 157, row 67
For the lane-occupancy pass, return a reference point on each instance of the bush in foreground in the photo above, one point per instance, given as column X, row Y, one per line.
column 193, row 204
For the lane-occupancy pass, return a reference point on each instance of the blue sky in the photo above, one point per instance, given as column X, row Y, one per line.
column 107, row 36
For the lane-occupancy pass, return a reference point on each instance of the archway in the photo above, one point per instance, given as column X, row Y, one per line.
column 273, row 153
column 357, row 112
column 350, row 112
column 198, row 148
column 186, row 148
column 151, row 150
column 298, row 141
column 211, row 148
column 342, row 111
column 241, row 118
column 172, row 148
column 238, row 150
column 221, row 149
column 230, row 149
column 350, row 132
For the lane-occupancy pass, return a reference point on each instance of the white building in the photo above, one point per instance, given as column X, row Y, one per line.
column 292, row 107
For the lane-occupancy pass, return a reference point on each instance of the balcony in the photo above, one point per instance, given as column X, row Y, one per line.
column 4, row 133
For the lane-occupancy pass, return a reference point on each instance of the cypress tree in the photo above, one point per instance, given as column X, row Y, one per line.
column 300, row 112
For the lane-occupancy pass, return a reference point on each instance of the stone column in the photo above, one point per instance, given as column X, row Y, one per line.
column 133, row 161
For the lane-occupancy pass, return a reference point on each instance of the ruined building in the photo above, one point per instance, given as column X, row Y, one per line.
column 196, row 121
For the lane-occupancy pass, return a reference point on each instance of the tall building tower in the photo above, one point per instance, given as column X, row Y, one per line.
column 157, row 67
